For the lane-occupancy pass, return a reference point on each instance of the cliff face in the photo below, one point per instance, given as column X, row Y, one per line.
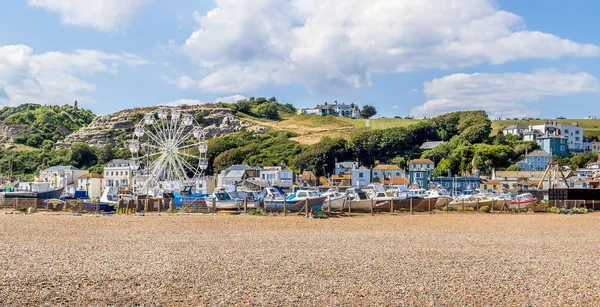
column 9, row 132
column 115, row 129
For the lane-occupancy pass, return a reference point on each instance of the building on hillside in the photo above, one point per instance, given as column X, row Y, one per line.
column 554, row 145
column 430, row 145
column 515, row 129
column 421, row 164
column 61, row 176
column 340, row 180
column 537, row 160
column 383, row 171
column 277, row 175
column 419, row 178
column 91, row 183
column 574, row 135
column 490, row 185
column 531, row 135
column 336, row 109
column 309, row 178
column 457, row 185
column 517, row 181
column 118, row 173
column 590, row 169
column 595, row 146
column 238, row 173
column 344, row 167
column 361, row 177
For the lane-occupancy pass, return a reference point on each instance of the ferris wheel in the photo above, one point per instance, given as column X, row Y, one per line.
column 169, row 151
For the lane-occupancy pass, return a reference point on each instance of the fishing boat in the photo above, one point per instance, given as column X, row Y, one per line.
column 39, row 190
column 358, row 201
column 335, row 199
column 442, row 197
column 522, row 201
column 223, row 201
column 298, row 200
column 54, row 204
column 471, row 201
column 272, row 198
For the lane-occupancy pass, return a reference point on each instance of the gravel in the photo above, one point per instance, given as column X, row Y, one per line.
column 424, row 259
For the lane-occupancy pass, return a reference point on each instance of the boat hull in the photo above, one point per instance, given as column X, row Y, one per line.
column 337, row 204
column 293, row 205
column 472, row 204
column 227, row 205
column 39, row 195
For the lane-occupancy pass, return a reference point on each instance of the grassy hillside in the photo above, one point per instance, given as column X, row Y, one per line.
column 310, row 128
column 591, row 126
column 43, row 125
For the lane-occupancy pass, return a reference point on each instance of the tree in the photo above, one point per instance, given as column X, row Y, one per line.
column 82, row 155
column 441, row 170
column 400, row 161
column 368, row 111
column 513, row 168
column 268, row 110
column 105, row 154
column 228, row 158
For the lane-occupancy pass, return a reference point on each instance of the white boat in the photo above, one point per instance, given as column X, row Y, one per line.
column 297, row 200
column 442, row 195
column 522, row 201
column 334, row 198
column 223, row 200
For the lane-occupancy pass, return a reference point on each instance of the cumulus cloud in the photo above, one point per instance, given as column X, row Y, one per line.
column 231, row 99
column 394, row 107
column 53, row 77
column 506, row 94
column 326, row 47
column 105, row 15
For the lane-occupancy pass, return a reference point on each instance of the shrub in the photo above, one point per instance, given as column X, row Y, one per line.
column 256, row 212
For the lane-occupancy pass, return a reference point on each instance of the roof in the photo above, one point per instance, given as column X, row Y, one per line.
column 120, row 161
column 308, row 176
column 242, row 167
column 237, row 174
column 345, row 164
column 490, row 181
column 396, row 181
column 431, row 144
column 552, row 137
column 532, row 132
column 516, row 126
column 90, row 175
column 387, row 167
column 520, row 174
column 341, row 177
column 61, row 168
column 539, row 153
column 420, row 161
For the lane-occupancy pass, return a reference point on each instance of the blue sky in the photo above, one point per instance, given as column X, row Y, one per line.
column 510, row 58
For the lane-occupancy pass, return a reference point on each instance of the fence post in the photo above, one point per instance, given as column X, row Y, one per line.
column 411, row 203
column 477, row 206
column 245, row 204
column 16, row 201
column 463, row 205
column 285, row 206
column 350, row 207
column 306, row 205
column 214, row 205
column 329, row 207
column 372, row 205
column 493, row 205
column 392, row 208
column 80, row 205
column 429, row 205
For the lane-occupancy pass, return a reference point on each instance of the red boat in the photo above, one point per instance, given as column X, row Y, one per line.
column 523, row 201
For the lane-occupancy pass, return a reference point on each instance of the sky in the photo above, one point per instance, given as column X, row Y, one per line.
column 511, row 58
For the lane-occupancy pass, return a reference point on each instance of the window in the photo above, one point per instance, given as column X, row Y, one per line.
column 397, row 174
column 576, row 138
column 576, row 131
column 418, row 175
column 360, row 175
column 112, row 173
column 539, row 159
column 566, row 130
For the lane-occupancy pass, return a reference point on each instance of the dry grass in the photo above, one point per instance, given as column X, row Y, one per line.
column 439, row 259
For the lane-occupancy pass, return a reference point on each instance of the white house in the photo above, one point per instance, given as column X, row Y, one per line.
column 344, row 167
column 92, row 183
column 361, row 177
column 388, row 171
column 515, row 129
column 574, row 135
column 421, row 164
column 61, row 176
column 119, row 174
column 277, row 175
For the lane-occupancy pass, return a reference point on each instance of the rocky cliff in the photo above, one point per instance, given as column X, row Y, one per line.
column 115, row 129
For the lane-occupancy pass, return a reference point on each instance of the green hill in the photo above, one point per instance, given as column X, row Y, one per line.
column 34, row 125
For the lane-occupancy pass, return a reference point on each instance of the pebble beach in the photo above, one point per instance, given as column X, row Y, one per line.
column 442, row 259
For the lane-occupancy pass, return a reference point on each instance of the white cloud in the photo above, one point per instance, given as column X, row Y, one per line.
column 105, row 15
column 504, row 94
column 325, row 46
column 180, row 102
column 231, row 99
column 394, row 107
column 53, row 77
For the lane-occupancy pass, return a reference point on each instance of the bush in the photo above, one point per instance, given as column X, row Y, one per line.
column 320, row 215
column 256, row 212
column 484, row 209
